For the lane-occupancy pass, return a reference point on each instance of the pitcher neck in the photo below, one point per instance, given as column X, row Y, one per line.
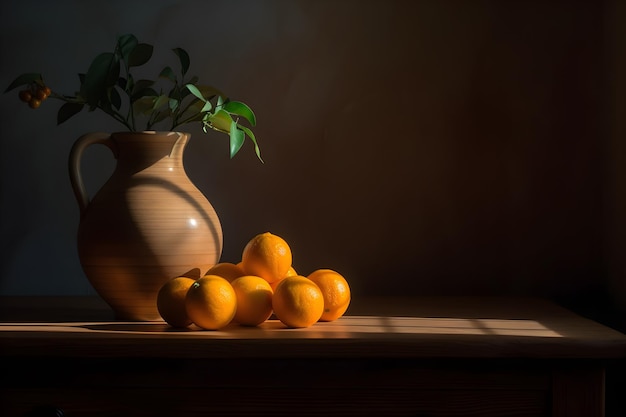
column 139, row 150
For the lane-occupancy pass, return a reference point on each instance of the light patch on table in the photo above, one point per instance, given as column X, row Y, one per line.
column 347, row 326
column 420, row 325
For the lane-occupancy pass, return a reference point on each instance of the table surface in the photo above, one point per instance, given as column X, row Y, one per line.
column 397, row 327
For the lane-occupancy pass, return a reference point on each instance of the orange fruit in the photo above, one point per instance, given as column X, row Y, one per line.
column 267, row 256
column 298, row 302
column 227, row 270
column 171, row 301
column 335, row 290
column 254, row 300
column 211, row 302
column 290, row 272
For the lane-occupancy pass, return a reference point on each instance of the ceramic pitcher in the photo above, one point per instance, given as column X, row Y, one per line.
column 146, row 225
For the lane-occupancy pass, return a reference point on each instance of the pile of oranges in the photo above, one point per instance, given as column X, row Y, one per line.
column 247, row 293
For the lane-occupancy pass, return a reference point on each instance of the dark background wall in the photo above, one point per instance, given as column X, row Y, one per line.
column 423, row 147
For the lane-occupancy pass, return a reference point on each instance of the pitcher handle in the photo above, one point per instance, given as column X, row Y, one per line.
column 76, row 154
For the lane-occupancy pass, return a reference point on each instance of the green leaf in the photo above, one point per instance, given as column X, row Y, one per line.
column 126, row 44
column 175, row 92
column 237, row 138
column 160, row 102
column 196, row 117
column 183, row 56
column 168, row 74
column 241, row 109
column 184, row 92
column 193, row 111
column 68, row 110
column 114, row 73
column 144, row 105
column 253, row 138
column 143, row 88
column 144, row 93
column 140, row 55
column 195, row 91
column 104, row 68
column 209, row 91
column 207, row 107
column 115, row 98
column 130, row 85
column 221, row 121
column 173, row 104
column 162, row 116
column 24, row 79
column 123, row 83
column 141, row 84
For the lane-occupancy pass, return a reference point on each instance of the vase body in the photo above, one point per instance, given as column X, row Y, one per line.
column 146, row 225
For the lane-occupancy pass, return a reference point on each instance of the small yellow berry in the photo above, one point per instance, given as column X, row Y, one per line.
column 40, row 94
column 34, row 103
column 25, row 96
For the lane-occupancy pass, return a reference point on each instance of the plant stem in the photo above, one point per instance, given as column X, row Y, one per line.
column 119, row 118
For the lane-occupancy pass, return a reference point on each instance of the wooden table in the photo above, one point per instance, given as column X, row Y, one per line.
column 429, row 356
